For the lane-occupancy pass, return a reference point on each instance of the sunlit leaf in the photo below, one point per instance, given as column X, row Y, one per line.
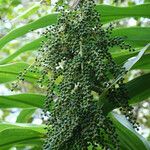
column 9, row 72
column 108, row 13
column 22, row 101
column 14, row 134
column 25, row 115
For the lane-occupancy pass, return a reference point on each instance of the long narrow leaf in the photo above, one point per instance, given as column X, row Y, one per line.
column 28, row 12
column 9, row 72
column 28, row 47
column 25, row 115
column 37, row 128
column 133, row 60
column 144, row 63
column 108, row 13
column 40, row 23
column 128, row 65
column 138, row 90
column 13, row 134
column 129, row 138
column 141, row 39
column 136, row 36
column 22, row 101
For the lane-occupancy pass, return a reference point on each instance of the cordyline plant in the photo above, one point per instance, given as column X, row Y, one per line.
column 77, row 52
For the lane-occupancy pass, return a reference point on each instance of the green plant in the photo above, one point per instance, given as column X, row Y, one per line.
column 70, row 69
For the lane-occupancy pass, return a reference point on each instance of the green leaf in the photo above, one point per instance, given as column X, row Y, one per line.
column 141, row 39
column 15, row 2
column 110, row 13
column 14, row 134
column 146, row 1
column 40, row 23
column 37, row 128
column 37, row 144
column 138, row 89
column 22, row 101
column 135, row 36
column 28, row 47
column 128, row 65
column 25, row 115
column 123, row 56
column 103, row 101
column 129, row 138
column 9, row 72
column 28, row 12
column 133, row 60
column 144, row 63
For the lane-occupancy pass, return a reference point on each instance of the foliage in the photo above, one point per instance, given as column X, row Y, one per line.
column 7, row 5
column 84, row 77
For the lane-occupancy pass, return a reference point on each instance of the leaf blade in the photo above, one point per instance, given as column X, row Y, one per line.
column 133, row 60
column 15, row 134
column 138, row 90
column 22, row 101
column 40, row 23
column 25, row 115
column 127, row 135
column 108, row 13
column 9, row 72
column 27, row 47
column 135, row 36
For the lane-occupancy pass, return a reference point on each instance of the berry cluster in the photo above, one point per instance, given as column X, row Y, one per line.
column 77, row 50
